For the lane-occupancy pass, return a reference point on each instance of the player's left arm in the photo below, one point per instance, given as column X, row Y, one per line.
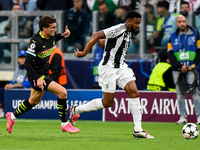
column 63, row 35
column 94, row 38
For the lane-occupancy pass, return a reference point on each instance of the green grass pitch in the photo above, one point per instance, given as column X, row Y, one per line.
column 93, row 135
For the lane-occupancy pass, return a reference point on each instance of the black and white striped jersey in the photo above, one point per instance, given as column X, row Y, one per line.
column 116, row 45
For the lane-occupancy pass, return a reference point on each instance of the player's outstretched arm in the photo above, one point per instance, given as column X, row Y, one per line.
column 94, row 38
column 66, row 33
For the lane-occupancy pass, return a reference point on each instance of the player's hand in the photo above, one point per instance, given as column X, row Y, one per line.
column 41, row 83
column 66, row 33
column 78, row 54
column 184, row 69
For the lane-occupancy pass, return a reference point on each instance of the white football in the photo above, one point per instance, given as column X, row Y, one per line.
column 190, row 131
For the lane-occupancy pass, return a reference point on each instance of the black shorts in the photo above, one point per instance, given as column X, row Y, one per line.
column 34, row 83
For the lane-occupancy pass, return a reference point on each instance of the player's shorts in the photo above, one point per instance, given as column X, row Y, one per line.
column 34, row 83
column 109, row 77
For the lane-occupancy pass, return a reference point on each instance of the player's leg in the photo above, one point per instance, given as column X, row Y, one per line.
column 127, row 82
column 61, row 92
column 95, row 104
column 135, row 109
column 26, row 105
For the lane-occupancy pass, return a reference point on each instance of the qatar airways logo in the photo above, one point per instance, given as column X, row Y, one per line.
column 158, row 106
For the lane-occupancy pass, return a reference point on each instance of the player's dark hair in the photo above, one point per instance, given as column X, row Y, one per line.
column 132, row 14
column 164, row 4
column 149, row 8
column 184, row 2
column 45, row 21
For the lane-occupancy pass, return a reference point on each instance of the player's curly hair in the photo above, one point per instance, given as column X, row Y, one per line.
column 45, row 21
column 132, row 14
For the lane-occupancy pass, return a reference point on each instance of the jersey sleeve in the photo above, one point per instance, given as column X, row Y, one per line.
column 31, row 54
column 114, row 31
column 33, row 48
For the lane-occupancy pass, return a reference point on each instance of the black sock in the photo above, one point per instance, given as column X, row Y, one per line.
column 23, row 108
column 62, row 109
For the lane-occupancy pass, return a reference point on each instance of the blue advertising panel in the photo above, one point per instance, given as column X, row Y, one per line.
column 47, row 108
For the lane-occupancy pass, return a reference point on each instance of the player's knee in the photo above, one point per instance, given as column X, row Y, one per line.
column 34, row 102
column 107, row 103
column 134, row 93
column 63, row 94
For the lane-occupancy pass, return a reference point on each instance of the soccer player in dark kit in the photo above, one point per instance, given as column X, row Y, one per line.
column 37, row 66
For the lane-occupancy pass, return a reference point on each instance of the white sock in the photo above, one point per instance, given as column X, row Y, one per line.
column 135, row 108
column 13, row 117
column 64, row 123
column 93, row 105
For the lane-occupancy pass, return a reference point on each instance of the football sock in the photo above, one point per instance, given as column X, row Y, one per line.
column 93, row 105
column 64, row 123
column 13, row 117
column 23, row 108
column 62, row 109
column 136, row 111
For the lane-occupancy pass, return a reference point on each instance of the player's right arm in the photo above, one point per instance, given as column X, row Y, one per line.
column 94, row 38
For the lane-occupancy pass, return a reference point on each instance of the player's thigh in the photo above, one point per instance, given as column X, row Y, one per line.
column 57, row 89
column 35, row 96
column 126, row 77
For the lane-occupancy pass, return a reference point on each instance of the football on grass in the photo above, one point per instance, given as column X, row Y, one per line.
column 190, row 131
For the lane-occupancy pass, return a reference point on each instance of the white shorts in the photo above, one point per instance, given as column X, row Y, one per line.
column 109, row 77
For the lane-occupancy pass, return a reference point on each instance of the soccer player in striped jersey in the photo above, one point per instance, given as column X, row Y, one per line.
column 113, row 70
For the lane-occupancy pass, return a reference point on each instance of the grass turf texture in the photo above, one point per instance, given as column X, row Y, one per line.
column 93, row 135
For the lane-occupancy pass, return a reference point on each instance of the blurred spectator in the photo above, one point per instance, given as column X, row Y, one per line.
column 166, row 24
column 20, row 79
column 54, row 4
column 133, row 4
column 196, row 6
column 78, row 22
column 161, row 77
column 106, row 19
column 120, row 13
column 28, row 5
column 144, row 2
column 57, row 70
column 150, row 28
column 110, row 4
column 185, row 10
column 25, row 26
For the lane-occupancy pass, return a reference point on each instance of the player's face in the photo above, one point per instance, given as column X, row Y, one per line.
column 181, row 23
column 51, row 30
column 133, row 24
